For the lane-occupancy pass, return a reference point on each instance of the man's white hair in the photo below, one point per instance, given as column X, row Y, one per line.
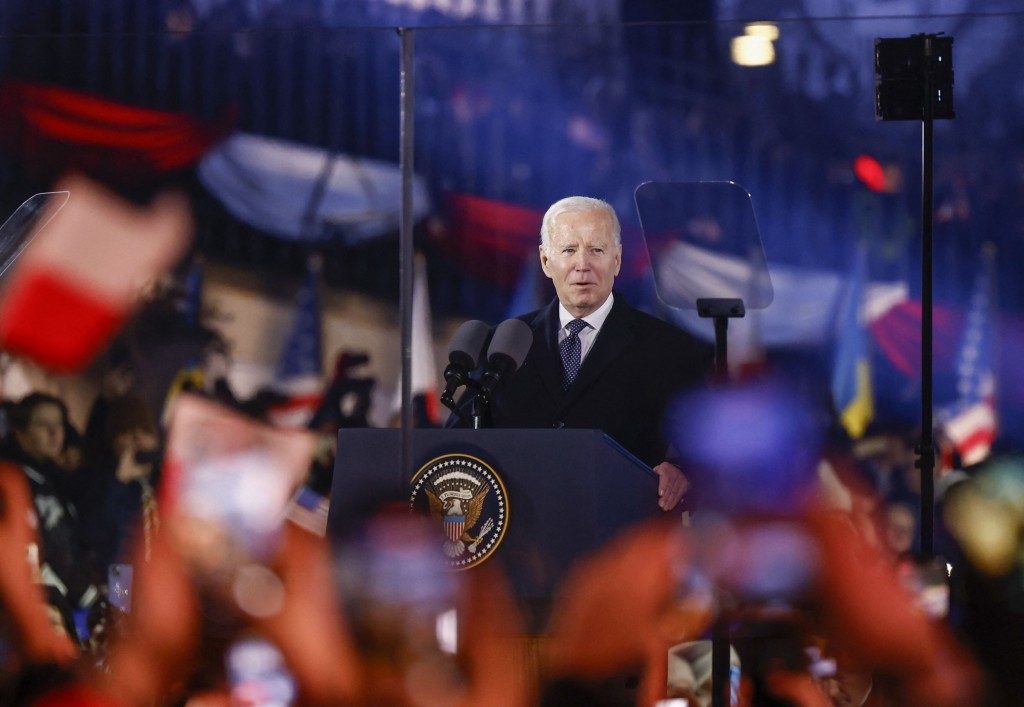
column 577, row 204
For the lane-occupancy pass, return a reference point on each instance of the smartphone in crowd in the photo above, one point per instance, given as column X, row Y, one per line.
column 227, row 483
column 258, row 675
column 119, row 586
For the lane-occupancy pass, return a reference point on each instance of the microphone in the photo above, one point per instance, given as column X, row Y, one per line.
column 464, row 354
column 509, row 345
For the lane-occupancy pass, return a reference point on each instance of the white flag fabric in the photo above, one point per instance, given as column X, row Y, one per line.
column 300, row 192
column 803, row 309
column 424, row 379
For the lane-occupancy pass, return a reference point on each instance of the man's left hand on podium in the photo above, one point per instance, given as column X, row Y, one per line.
column 672, row 485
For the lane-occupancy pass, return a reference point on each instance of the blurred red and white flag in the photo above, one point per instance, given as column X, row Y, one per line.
column 79, row 280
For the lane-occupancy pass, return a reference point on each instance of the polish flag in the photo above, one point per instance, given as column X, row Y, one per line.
column 79, row 280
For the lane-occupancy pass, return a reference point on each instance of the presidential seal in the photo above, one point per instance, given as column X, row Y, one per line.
column 468, row 499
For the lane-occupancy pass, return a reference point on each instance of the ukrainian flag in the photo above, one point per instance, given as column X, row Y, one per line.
column 851, row 370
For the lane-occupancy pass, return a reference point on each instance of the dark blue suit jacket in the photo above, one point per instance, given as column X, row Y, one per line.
column 637, row 365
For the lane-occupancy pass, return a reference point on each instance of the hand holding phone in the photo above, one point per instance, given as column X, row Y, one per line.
column 226, row 484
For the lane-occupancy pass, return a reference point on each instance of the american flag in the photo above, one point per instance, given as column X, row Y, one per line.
column 299, row 374
column 309, row 510
column 971, row 423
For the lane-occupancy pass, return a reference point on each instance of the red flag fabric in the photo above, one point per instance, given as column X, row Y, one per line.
column 488, row 238
column 897, row 333
column 55, row 128
column 492, row 239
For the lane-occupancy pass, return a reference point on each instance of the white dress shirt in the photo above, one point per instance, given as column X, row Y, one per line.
column 588, row 335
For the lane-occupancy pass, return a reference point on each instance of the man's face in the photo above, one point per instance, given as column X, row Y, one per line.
column 582, row 260
column 43, row 436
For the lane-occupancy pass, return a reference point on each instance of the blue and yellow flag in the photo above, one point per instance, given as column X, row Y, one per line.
column 851, row 369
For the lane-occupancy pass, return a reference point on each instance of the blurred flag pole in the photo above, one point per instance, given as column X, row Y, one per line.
column 851, row 369
column 971, row 423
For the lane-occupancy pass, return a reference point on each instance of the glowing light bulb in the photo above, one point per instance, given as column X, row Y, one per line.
column 752, row 50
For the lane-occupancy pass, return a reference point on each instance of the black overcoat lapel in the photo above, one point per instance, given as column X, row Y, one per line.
column 544, row 351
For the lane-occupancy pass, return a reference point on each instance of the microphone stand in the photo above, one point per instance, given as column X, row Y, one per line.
column 721, row 309
column 499, row 366
column 477, row 407
column 509, row 344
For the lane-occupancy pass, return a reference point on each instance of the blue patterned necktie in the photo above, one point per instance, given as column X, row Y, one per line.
column 571, row 349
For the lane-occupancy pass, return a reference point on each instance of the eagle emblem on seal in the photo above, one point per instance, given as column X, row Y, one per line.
column 459, row 511
column 467, row 499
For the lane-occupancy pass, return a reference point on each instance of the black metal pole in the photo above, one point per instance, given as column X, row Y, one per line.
column 926, row 451
column 720, row 640
column 722, row 349
column 406, row 267
column 721, row 310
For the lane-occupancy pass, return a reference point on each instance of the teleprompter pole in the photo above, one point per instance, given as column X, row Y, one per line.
column 721, row 309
